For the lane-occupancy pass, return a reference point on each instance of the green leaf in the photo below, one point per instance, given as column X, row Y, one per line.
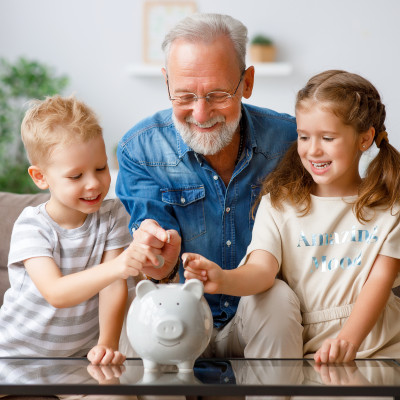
column 261, row 39
column 20, row 82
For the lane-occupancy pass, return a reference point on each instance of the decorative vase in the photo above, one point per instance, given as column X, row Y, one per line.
column 262, row 53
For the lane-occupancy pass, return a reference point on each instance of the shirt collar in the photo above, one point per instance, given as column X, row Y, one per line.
column 248, row 128
column 181, row 146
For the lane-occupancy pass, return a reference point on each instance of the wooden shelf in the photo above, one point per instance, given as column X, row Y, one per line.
column 272, row 68
column 143, row 70
column 261, row 69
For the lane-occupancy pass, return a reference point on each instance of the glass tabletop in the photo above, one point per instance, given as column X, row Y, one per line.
column 216, row 377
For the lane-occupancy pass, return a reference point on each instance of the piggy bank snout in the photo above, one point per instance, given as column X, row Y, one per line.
column 169, row 329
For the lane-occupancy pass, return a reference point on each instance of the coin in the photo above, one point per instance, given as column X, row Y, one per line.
column 160, row 261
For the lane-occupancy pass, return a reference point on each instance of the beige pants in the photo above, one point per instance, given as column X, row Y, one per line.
column 266, row 325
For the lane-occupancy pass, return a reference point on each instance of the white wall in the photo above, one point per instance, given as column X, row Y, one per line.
column 94, row 41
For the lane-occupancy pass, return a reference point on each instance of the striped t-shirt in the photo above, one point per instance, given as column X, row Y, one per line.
column 29, row 325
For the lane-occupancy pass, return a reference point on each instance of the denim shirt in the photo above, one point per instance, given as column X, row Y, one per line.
column 161, row 178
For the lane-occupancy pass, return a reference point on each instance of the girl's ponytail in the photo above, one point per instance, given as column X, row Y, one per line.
column 381, row 185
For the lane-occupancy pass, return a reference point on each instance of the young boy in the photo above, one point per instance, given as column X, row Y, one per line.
column 67, row 264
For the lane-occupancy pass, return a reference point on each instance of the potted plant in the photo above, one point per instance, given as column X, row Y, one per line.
column 262, row 49
column 20, row 82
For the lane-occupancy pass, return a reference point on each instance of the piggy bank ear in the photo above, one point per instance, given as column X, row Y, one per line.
column 144, row 287
column 194, row 286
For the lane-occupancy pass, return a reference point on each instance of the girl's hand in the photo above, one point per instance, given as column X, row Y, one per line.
column 346, row 374
column 199, row 267
column 335, row 351
column 104, row 355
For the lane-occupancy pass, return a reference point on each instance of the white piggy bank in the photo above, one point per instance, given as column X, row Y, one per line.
column 169, row 324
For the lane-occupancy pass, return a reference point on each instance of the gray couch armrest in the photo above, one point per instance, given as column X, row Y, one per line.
column 11, row 205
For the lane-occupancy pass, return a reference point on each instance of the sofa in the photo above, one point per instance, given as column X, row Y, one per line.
column 11, row 205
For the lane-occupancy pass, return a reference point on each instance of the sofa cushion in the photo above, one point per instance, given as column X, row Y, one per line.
column 11, row 205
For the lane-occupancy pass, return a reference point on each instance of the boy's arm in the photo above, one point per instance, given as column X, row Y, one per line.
column 112, row 303
column 367, row 309
column 69, row 290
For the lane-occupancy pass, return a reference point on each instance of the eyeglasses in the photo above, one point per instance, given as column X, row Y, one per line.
column 216, row 99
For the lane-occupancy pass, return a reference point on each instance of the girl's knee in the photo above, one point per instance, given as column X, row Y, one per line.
column 279, row 302
column 279, row 294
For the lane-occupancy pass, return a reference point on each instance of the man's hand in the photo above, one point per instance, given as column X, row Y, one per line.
column 165, row 243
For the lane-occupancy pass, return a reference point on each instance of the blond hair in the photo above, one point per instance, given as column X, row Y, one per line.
column 357, row 103
column 54, row 121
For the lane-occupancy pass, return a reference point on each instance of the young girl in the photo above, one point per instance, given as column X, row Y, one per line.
column 333, row 236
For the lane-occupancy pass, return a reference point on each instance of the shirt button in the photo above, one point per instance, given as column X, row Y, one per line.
column 227, row 209
column 226, row 304
column 215, row 177
column 228, row 243
column 183, row 201
column 226, row 379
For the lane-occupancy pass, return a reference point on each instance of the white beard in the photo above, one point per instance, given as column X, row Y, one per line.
column 207, row 143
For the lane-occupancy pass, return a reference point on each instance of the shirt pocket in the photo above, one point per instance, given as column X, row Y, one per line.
column 255, row 191
column 188, row 205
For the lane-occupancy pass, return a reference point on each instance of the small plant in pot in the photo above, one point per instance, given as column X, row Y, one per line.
column 262, row 49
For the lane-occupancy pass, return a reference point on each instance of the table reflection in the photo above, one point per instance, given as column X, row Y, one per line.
column 204, row 372
column 238, row 372
column 40, row 371
column 354, row 373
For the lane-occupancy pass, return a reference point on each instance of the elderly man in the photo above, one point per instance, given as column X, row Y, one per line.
column 189, row 177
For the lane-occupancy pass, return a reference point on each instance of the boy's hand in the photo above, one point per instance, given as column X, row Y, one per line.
column 199, row 267
column 335, row 351
column 133, row 259
column 104, row 355
column 106, row 374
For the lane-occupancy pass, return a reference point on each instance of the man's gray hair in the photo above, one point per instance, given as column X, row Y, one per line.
column 207, row 27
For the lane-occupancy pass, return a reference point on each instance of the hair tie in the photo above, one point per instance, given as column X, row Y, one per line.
column 381, row 136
